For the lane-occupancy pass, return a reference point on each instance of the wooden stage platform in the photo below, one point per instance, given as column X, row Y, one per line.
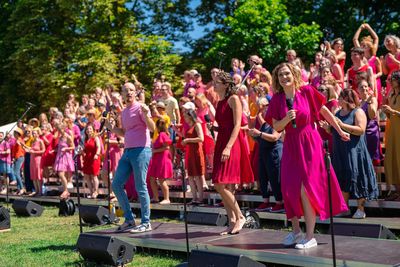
column 265, row 245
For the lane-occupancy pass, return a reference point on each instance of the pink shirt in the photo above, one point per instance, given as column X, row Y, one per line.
column 136, row 132
column 4, row 146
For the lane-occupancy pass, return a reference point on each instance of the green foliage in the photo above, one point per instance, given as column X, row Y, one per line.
column 263, row 28
column 66, row 46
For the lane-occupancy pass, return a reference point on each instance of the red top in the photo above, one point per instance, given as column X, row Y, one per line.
column 352, row 76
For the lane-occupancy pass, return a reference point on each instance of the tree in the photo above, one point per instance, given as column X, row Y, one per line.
column 263, row 28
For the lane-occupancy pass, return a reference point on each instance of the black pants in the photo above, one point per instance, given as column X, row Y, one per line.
column 269, row 169
column 27, row 173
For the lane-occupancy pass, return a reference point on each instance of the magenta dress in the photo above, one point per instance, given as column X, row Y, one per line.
column 391, row 67
column 160, row 165
column 302, row 156
column 64, row 160
column 372, row 64
column 35, row 169
column 237, row 169
column 115, row 155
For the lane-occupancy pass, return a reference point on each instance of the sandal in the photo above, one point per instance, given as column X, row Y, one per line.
column 126, row 226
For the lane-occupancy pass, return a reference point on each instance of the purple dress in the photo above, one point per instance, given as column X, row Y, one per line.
column 372, row 133
column 64, row 160
column 302, row 156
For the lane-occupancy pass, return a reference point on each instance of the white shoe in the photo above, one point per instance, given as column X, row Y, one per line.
column 306, row 244
column 70, row 186
column 292, row 239
column 359, row 214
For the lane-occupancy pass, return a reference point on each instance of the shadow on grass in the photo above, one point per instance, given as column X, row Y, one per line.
column 55, row 248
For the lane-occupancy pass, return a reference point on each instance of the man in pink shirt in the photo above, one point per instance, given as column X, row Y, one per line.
column 136, row 127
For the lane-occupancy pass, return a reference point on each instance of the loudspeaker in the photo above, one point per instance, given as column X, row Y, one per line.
column 5, row 223
column 66, row 208
column 24, row 207
column 96, row 214
column 105, row 249
column 363, row 230
column 201, row 258
column 205, row 218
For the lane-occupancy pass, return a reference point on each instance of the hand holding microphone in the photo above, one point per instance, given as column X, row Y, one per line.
column 291, row 114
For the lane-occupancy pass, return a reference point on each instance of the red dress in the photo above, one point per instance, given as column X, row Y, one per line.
column 91, row 166
column 352, row 76
column 194, row 155
column 160, row 165
column 237, row 169
column 47, row 157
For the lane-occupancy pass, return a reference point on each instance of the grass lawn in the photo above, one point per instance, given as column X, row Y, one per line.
column 50, row 240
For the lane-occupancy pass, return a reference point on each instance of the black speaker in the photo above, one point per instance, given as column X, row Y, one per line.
column 96, row 214
column 66, row 208
column 205, row 218
column 5, row 223
column 363, row 230
column 201, row 258
column 105, row 249
column 24, row 207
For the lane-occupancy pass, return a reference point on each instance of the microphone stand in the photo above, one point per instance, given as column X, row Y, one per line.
column 182, row 167
column 77, row 188
column 30, row 106
column 108, row 171
column 328, row 170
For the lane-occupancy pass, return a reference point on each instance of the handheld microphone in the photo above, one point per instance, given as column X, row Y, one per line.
column 208, row 120
column 289, row 104
column 30, row 104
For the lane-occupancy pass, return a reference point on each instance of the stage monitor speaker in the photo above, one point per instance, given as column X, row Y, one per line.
column 205, row 218
column 24, row 207
column 201, row 258
column 5, row 223
column 66, row 208
column 363, row 230
column 96, row 214
column 104, row 249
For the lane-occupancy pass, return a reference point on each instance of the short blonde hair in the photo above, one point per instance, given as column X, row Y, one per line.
column 275, row 78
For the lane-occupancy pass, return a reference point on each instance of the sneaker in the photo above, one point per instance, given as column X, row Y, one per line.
column 277, row 208
column 3, row 192
column 141, row 228
column 306, row 244
column 359, row 214
column 70, row 186
column 292, row 239
column 264, row 206
column 126, row 226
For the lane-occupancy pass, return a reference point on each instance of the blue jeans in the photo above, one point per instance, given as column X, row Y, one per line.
column 17, row 171
column 136, row 160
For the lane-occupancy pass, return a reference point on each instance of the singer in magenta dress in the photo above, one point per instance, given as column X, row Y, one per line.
column 304, row 179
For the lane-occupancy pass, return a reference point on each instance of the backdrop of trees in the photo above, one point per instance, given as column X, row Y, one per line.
column 49, row 49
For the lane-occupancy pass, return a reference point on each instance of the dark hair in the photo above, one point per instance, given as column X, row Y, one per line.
column 335, row 41
column 362, row 76
column 325, row 88
column 351, row 97
column 192, row 114
column 358, row 50
column 395, row 76
column 161, row 126
column 94, row 130
column 226, row 78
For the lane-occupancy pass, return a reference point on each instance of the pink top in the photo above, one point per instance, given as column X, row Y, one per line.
column 136, row 132
column 4, row 146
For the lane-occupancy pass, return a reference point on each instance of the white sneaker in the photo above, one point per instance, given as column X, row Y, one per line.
column 306, row 244
column 359, row 214
column 70, row 186
column 292, row 239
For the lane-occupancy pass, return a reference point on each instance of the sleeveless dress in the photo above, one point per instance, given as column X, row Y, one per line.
column 302, row 156
column 194, row 155
column 64, row 161
column 35, row 169
column 372, row 133
column 91, row 166
column 115, row 155
column 372, row 64
column 160, row 165
column 236, row 169
column 352, row 163
column 352, row 76
column 392, row 153
column 47, row 157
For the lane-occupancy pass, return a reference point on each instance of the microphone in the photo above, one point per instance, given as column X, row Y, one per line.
column 289, row 104
column 30, row 104
column 208, row 120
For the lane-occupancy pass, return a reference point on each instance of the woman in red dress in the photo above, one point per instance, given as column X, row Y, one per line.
column 91, row 160
column 228, row 155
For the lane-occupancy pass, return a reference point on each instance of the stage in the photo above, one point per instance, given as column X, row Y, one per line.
column 265, row 245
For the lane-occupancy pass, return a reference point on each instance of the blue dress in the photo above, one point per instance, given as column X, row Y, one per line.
column 353, row 164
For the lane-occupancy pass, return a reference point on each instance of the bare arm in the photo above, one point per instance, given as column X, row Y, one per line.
column 360, row 123
column 236, row 106
column 332, row 121
column 372, row 107
column 356, row 43
column 200, row 135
